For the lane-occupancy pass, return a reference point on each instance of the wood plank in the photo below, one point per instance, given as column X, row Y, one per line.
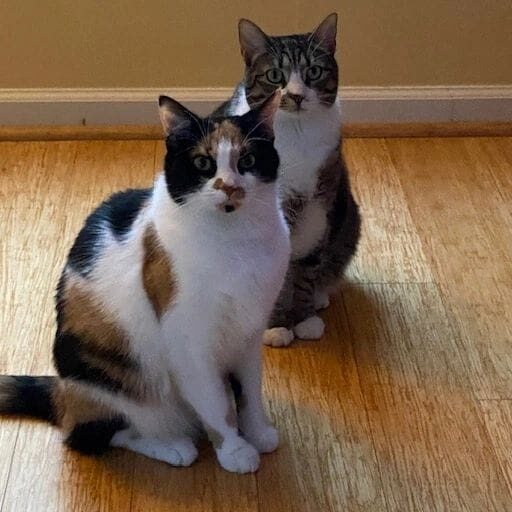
column 202, row 487
column 498, row 418
column 390, row 249
column 461, row 218
column 326, row 458
column 350, row 130
column 494, row 155
column 8, row 436
column 429, row 435
column 448, row 129
column 52, row 187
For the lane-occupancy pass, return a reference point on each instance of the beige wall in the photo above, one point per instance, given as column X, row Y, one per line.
column 159, row 43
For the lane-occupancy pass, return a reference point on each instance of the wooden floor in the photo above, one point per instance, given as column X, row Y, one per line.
column 405, row 405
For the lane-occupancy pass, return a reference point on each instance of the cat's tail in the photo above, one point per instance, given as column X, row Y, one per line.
column 28, row 396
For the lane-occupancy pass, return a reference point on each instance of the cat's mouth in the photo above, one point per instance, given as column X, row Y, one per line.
column 229, row 206
column 234, row 196
column 292, row 103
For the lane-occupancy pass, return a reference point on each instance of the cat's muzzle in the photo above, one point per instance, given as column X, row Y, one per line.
column 234, row 195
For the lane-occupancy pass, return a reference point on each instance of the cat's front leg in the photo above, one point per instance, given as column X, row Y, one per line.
column 279, row 332
column 203, row 387
column 253, row 420
column 308, row 325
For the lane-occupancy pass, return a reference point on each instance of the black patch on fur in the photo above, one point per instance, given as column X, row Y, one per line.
column 70, row 357
column 237, row 389
column 181, row 175
column 93, row 437
column 117, row 214
column 311, row 260
column 29, row 396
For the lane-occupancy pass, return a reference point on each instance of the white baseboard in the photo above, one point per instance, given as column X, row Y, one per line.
column 137, row 106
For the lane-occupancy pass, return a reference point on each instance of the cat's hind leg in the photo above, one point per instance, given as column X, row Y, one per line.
column 178, row 451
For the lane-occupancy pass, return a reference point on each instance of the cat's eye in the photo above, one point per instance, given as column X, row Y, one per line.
column 247, row 161
column 274, row 75
column 314, row 72
column 202, row 163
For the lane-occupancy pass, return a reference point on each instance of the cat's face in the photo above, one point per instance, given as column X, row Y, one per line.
column 220, row 163
column 302, row 66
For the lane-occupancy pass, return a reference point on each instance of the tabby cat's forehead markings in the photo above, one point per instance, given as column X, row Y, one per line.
column 158, row 277
column 291, row 51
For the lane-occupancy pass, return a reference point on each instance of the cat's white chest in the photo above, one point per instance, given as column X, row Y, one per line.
column 310, row 229
column 227, row 289
column 304, row 143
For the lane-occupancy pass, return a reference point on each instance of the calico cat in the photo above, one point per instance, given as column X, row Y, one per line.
column 162, row 304
column 314, row 186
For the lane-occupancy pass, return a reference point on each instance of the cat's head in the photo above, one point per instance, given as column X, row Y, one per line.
column 219, row 163
column 303, row 66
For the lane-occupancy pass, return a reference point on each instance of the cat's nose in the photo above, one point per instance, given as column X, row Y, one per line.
column 229, row 190
column 234, row 194
column 297, row 98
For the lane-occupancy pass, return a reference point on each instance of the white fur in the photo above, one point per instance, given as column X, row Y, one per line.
column 278, row 337
column 296, row 85
column 310, row 329
column 309, row 230
column 177, row 452
column 229, row 269
column 321, row 299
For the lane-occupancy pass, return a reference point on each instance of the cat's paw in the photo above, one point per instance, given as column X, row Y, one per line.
column 176, row 452
column 321, row 299
column 265, row 439
column 278, row 337
column 238, row 456
column 181, row 452
column 312, row 328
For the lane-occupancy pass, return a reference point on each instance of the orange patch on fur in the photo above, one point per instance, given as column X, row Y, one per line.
column 85, row 317
column 157, row 273
column 106, row 345
column 223, row 130
column 234, row 193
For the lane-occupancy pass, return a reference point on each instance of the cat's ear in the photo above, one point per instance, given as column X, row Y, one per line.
column 325, row 34
column 266, row 112
column 253, row 41
column 173, row 113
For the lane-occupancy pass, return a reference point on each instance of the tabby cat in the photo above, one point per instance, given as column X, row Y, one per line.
column 314, row 186
column 162, row 304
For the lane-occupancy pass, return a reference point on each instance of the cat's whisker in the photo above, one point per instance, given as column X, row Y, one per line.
column 256, row 126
